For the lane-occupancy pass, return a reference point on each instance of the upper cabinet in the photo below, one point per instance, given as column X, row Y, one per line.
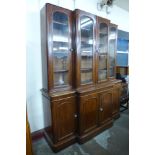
column 102, row 49
column 112, row 49
column 59, row 47
column 78, row 49
column 85, row 48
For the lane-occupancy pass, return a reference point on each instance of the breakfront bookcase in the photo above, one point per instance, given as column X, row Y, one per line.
column 78, row 65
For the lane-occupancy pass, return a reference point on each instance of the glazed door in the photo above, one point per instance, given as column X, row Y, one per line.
column 105, row 109
column 88, row 113
column 85, row 47
column 102, row 49
column 65, row 118
column 112, row 50
column 59, row 47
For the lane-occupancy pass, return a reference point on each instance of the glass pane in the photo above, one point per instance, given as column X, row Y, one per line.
column 102, row 61
column 112, row 45
column 86, row 76
column 86, row 49
column 60, row 32
column 60, row 48
column 60, row 78
column 103, row 49
column 60, row 61
column 60, row 17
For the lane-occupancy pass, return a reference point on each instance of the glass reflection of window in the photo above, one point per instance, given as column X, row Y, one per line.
column 60, row 48
column 86, row 24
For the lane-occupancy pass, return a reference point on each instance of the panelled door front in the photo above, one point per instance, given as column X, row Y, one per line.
column 105, row 109
column 116, row 99
column 65, row 118
column 88, row 113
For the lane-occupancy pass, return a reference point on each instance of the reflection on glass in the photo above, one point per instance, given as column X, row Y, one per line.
column 86, row 76
column 112, row 42
column 103, row 49
column 86, row 49
column 60, row 48
column 60, row 32
column 60, row 18
column 60, row 61
column 60, row 78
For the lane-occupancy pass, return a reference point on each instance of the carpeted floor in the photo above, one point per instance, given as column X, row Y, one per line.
column 113, row 141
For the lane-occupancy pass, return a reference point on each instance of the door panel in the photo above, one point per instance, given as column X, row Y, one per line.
column 65, row 118
column 89, row 113
column 105, row 110
column 116, row 99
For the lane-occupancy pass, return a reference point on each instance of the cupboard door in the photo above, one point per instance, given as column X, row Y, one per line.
column 85, row 48
column 116, row 99
column 102, row 49
column 59, row 26
column 105, row 109
column 88, row 113
column 60, row 48
column 64, row 118
column 112, row 50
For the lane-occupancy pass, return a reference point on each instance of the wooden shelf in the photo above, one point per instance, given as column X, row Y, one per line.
column 60, row 71
column 60, row 23
column 86, row 69
column 103, row 69
column 103, row 34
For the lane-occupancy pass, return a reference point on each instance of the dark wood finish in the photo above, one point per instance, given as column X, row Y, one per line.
column 28, row 139
column 47, row 46
column 122, row 70
column 78, row 110
column 37, row 134
column 62, row 131
column 115, row 26
column 65, row 116
column 88, row 113
column 116, row 99
column 105, row 109
column 107, row 22
column 77, row 15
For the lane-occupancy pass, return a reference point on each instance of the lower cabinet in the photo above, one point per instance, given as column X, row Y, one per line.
column 63, row 122
column 82, row 115
column 95, row 113
column 64, row 118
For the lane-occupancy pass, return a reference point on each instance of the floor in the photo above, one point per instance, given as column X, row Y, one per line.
column 113, row 141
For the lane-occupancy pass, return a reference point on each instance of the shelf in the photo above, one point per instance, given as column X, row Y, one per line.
column 103, row 54
column 60, row 71
column 86, row 69
column 60, row 52
column 60, row 23
column 86, row 81
column 86, row 43
column 60, row 41
column 103, row 69
column 103, row 34
column 84, row 54
column 86, row 29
